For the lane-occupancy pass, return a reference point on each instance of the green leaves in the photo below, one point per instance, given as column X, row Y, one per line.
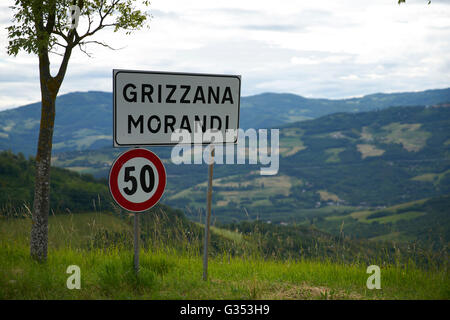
column 129, row 19
column 40, row 25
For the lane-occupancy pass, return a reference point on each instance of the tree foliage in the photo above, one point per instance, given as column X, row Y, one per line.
column 41, row 26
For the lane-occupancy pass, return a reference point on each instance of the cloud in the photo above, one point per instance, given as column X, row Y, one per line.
column 330, row 49
column 164, row 14
column 233, row 11
column 274, row 27
column 350, row 77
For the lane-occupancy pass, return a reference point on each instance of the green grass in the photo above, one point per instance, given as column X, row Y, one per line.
column 228, row 234
column 290, row 145
column 410, row 136
column 166, row 273
column 67, row 230
column 393, row 236
column 108, row 274
column 334, row 154
column 401, row 216
column 362, row 216
column 435, row 178
column 368, row 150
column 261, row 189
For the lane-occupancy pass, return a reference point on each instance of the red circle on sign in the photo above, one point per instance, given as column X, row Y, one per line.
column 114, row 177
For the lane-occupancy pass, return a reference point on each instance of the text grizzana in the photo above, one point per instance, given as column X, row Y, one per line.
column 169, row 93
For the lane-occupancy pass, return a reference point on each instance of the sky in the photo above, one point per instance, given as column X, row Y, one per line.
column 317, row 49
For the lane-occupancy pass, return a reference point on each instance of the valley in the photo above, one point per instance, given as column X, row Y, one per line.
column 338, row 169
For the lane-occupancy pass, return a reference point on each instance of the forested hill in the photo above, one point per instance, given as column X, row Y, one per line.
column 345, row 166
column 334, row 163
column 380, row 158
column 275, row 109
column 84, row 119
column 368, row 159
column 70, row 191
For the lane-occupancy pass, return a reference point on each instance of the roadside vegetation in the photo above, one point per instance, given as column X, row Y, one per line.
column 240, row 267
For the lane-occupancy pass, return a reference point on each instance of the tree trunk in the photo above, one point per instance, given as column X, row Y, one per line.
column 41, row 204
column 49, row 90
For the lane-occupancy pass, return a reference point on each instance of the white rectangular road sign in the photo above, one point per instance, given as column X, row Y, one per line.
column 149, row 106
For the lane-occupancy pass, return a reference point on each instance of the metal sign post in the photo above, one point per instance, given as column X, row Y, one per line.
column 136, row 243
column 136, row 181
column 208, row 215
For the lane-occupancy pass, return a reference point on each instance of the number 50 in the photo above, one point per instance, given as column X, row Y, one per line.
column 134, row 183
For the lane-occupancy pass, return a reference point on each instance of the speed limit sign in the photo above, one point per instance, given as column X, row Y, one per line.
column 137, row 180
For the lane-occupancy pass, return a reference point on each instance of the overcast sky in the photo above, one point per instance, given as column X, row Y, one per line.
column 321, row 48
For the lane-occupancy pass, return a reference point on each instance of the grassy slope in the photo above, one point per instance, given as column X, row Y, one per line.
column 67, row 230
column 169, row 274
column 422, row 221
column 362, row 216
column 367, row 159
column 69, row 190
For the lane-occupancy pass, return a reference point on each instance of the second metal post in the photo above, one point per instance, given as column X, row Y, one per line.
column 136, row 242
column 208, row 215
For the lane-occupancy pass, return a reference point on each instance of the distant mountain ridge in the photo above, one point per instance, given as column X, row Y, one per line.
column 276, row 109
column 84, row 119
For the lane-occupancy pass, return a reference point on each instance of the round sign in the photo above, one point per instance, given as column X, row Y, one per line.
column 137, row 180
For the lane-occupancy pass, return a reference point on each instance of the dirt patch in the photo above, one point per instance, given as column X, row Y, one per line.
column 292, row 151
column 408, row 134
column 368, row 150
column 304, row 291
column 328, row 196
column 268, row 290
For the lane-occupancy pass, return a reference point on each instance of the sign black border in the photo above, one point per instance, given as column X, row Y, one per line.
column 118, row 71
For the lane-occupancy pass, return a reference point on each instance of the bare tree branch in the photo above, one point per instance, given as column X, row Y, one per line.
column 101, row 25
column 57, row 53
column 100, row 43
column 84, row 50
column 58, row 32
column 89, row 22
column 61, row 45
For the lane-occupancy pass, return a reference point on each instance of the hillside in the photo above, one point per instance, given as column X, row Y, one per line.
column 248, row 260
column 331, row 166
column 426, row 221
column 334, row 165
column 69, row 190
column 84, row 119
column 274, row 109
column 370, row 159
